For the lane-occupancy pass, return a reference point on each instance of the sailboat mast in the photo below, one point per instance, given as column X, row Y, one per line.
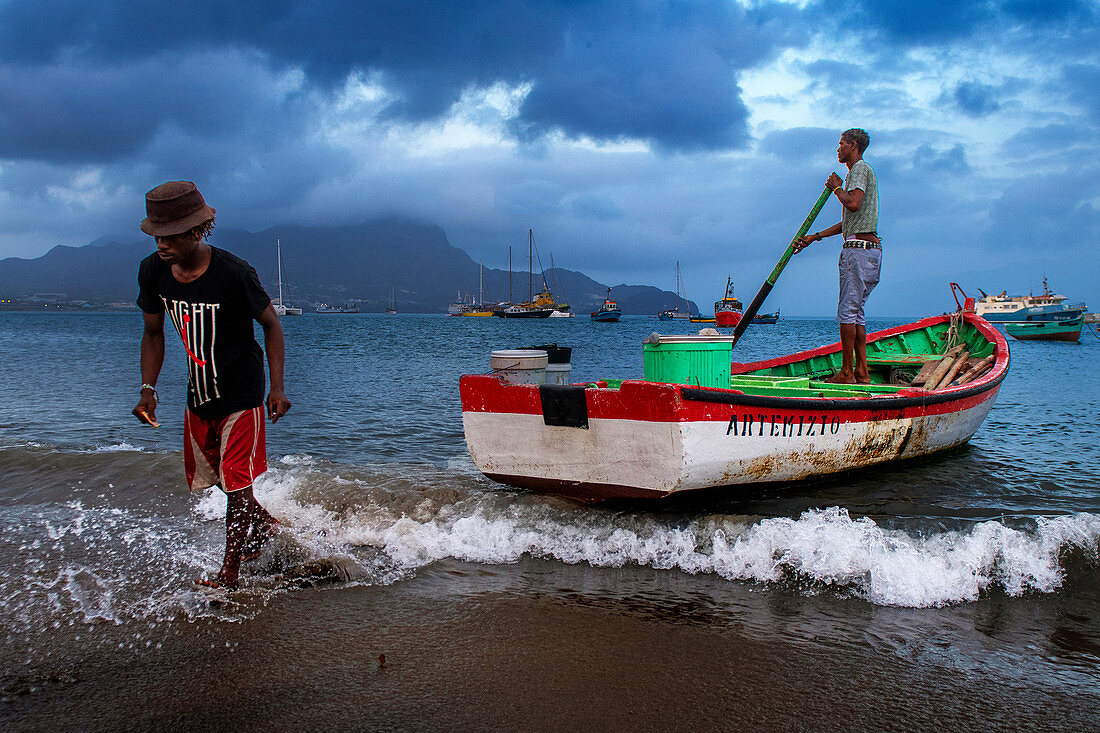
column 279, row 268
column 480, row 283
column 509, row 274
column 530, row 265
column 678, row 285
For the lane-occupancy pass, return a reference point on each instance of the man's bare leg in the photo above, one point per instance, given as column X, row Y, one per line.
column 846, row 375
column 262, row 527
column 238, row 521
column 861, row 373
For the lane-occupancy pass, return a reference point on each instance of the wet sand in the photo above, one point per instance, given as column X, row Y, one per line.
column 531, row 656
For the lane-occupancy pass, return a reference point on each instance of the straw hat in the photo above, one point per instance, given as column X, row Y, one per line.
column 174, row 208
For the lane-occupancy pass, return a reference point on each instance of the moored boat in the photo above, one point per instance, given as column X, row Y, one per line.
column 727, row 310
column 282, row 308
column 766, row 318
column 541, row 306
column 325, row 308
column 466, row 306
column 609, row 311
column 537, row 305
column 674, row 313
column 1026, row 308
column 1069, row 330
column 769, row 421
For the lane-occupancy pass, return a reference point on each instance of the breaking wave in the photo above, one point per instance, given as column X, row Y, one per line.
column 119, row 548
column 821, row 548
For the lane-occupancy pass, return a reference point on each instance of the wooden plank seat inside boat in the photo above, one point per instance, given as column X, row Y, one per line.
column 901, row 360
column 810, row 385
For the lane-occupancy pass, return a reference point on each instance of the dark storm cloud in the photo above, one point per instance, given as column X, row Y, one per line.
column 88, row 113
column 934, row 22
column 915, row 22
column 975, row 99
column 663, row 72
column 1049, row 12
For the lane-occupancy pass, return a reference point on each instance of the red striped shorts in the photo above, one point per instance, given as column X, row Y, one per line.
column 230, row 452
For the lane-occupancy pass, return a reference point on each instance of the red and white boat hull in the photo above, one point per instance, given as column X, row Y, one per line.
column 714, row 444
column 651, row 439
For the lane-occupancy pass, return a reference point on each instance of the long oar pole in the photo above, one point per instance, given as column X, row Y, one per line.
column 754, row 306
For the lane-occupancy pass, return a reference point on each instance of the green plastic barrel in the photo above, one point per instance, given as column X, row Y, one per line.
column 697, row 360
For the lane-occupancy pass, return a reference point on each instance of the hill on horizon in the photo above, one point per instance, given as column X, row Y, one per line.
column 357, row 264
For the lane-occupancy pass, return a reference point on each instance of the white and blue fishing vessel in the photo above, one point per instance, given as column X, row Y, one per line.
column 1027, row 308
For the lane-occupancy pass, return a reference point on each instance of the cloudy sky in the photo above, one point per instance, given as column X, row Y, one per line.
column 628, row 135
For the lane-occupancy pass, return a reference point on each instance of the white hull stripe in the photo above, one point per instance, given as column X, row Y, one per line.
column 669, row 457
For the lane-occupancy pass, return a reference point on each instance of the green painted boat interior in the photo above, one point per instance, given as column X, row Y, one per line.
column 888, row 359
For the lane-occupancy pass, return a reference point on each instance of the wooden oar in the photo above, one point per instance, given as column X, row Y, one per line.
column 754, row 306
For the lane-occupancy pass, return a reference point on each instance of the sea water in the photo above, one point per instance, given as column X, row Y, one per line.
column 978, row 567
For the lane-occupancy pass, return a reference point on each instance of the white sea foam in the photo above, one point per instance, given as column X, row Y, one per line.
column 822, row 548
column 117, row 448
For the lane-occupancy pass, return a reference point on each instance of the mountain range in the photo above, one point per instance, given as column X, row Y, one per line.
column 356, row 264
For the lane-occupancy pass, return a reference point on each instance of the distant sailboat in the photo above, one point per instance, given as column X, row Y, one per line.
column 675, row 313
column 537, row 305
column 465, row 306
column 280, row 306
column 391, row 309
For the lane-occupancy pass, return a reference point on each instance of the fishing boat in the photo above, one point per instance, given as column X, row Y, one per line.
column 1068, row 330
column 674, row 313
column 460, row 304
column 700, row 318
column 280, row 306
column 325, row 308
column 727, row 311
column 766, row 318
column 609, row 311
column 694, row 421
column 1025, row 308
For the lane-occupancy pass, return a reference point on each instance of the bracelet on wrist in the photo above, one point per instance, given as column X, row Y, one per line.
column 156, row 397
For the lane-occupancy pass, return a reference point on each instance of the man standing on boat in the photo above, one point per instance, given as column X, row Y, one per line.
column 861, row 256
column 212, row 297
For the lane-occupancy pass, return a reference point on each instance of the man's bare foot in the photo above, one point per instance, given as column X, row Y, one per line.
column 218, row 584
column 863, row 380
column 841, row 378
column 259, row 533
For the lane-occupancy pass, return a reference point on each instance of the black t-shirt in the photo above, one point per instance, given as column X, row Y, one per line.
column 213, row 316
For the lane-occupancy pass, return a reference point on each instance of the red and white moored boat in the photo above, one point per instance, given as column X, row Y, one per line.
column 727, row 311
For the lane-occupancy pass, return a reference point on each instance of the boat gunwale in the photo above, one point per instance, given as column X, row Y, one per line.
column 912, row 397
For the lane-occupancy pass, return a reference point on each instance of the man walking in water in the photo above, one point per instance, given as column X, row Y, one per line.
column 861, row 256
column 212, row 297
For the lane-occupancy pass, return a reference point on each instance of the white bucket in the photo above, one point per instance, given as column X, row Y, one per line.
column 558, row 373
column 520, row 366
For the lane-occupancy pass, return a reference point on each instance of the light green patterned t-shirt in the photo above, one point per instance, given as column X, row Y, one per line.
column 861, row 176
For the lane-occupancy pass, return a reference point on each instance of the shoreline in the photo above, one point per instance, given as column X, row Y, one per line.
column 526, row 656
